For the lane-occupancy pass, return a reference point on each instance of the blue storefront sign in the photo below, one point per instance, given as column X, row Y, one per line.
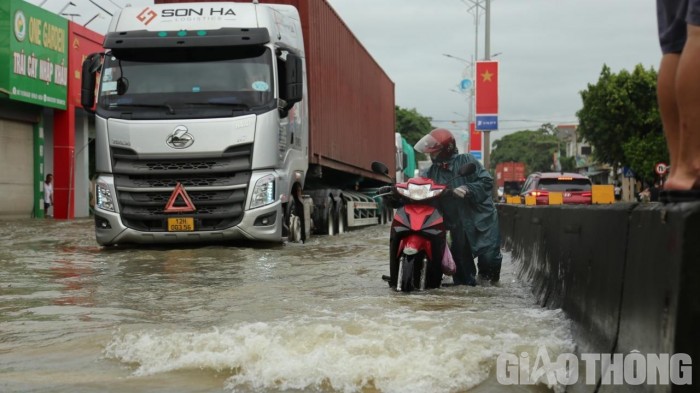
column 487, row 122
column 476, row 154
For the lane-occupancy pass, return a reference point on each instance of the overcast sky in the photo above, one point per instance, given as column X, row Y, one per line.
column 549, row 50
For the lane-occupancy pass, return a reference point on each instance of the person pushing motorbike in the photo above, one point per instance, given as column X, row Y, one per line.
column 471, row 217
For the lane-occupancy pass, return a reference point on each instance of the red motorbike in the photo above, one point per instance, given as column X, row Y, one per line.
column 418, row 233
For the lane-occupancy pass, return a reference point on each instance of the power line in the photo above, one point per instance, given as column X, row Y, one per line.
column 101, row 8
column 115, row 4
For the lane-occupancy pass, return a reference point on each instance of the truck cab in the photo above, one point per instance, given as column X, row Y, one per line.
column 201, row 122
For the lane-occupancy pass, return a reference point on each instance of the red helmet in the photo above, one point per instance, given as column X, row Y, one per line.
column 439, row 144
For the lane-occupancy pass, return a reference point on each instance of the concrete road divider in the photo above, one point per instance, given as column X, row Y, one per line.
column 628, row 276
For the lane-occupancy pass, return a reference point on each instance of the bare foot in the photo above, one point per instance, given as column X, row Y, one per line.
column 679, row 182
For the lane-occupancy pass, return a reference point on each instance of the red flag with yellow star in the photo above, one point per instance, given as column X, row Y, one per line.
column 486, row 88
column 474, row 138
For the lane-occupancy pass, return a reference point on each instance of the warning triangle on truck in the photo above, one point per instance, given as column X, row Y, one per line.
column 177, row 199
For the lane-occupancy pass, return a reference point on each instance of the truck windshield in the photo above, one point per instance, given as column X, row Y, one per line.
column 187, row 79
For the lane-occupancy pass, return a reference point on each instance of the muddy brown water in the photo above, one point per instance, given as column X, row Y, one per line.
column 316, row 317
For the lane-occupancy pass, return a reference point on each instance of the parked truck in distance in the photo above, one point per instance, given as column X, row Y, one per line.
column 223, row 121
column 510, row 177
column 509, row 171
column 406, row 164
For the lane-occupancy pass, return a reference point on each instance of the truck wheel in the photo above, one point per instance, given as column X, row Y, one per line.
column 287, row 214
column 292, row 223
column 294, row 229
column 341, row 217
column 330, row 217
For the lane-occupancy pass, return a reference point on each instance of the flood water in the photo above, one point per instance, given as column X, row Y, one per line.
column 317, row 317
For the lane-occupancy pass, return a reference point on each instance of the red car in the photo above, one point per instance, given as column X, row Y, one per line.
column 576, row 188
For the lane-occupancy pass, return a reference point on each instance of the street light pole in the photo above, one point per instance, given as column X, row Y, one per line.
column 91, row 19
column 472, row 76
column 487, row 56
column 476, row 5
column 70, row 3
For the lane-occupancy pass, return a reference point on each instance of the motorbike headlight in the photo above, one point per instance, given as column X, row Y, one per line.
column 263, row 192
column 418, row 192
column 104, row 199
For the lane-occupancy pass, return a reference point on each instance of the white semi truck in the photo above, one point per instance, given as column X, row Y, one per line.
column 207, row 130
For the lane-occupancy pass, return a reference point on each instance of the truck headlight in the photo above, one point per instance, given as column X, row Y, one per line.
column 104, row 199
column 264, row 192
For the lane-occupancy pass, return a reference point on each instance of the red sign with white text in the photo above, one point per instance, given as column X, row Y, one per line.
column 486, row 87
column 82, row 42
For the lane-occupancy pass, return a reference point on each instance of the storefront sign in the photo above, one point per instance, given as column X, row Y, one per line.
column 34, row 68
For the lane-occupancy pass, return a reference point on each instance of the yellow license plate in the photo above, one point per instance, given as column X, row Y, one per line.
column 181, row 224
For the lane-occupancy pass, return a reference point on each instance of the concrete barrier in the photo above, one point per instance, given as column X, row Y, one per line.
column 626, row 274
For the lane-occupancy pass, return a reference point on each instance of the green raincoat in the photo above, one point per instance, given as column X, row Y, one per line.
column 473, row 220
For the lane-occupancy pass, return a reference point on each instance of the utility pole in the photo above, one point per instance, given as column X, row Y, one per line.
column 477, row 6
column 487, row 56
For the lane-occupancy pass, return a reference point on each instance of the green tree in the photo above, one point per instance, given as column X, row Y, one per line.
column 619, row 111
column 411, row 124
column 535, row 148
column 568, row 164
column 644, row 152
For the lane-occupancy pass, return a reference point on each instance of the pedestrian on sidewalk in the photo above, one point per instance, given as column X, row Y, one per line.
column 48, row 194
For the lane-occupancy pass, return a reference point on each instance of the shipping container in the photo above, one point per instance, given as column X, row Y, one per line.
column 509, row 171
column 351, row 98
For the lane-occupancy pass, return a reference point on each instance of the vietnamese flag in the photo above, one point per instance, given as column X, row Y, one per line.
column 474, row 138
column 486, row 87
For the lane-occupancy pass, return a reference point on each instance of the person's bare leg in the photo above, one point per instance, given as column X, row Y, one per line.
column 688, row 98
column 666, row 93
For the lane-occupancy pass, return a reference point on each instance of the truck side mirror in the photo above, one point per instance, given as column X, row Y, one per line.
column 91, row 65
column 380, row 167
column 294, row 77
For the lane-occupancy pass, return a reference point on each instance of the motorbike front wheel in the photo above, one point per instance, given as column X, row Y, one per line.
column 411, row 271
column 415, row 272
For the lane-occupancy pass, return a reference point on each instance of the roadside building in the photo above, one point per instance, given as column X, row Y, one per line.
column 43, row 129
column 582, row 152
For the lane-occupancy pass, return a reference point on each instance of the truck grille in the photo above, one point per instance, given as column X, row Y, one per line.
column 219, row 206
